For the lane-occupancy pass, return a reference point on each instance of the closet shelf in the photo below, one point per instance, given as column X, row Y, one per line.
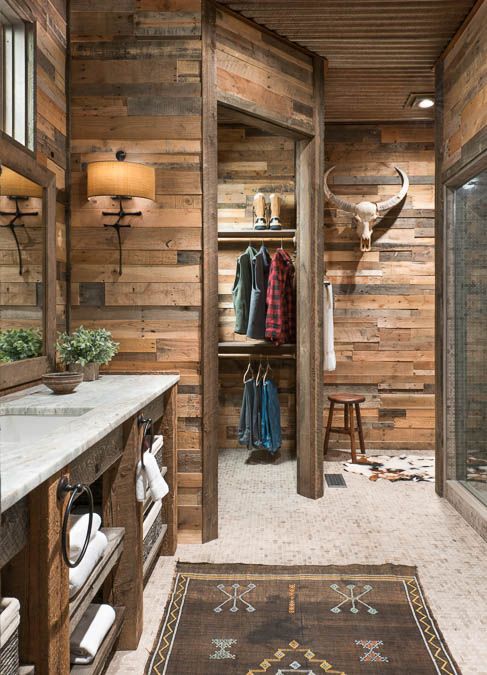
column 155, row 552
column 80, row 602
column 256, row 348
column 106, row 648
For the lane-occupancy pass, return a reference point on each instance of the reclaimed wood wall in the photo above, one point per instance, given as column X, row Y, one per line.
column 21, row 296
column 465, row 94
column 250, row 161
column 384, row 300
column 50, row 151
column 136, row 85
column 260, row 74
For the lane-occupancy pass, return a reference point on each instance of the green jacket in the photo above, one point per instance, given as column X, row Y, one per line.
column 242, row 289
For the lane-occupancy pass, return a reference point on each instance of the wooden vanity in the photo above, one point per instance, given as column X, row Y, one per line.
column 100, row 446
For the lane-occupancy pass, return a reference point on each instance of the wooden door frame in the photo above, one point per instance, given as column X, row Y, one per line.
column 309, row 347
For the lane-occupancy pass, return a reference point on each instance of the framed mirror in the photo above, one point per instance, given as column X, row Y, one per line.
column 27, row 267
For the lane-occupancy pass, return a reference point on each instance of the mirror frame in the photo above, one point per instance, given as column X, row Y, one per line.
column 29, row 370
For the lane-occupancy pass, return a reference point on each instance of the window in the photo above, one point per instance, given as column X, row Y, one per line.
column 17, row 76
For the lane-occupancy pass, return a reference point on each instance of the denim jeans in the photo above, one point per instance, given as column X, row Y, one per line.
column 271, row 417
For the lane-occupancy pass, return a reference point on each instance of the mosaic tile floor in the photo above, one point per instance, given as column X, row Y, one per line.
column 263, row 520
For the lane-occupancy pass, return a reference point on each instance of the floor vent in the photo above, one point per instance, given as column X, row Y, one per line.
column 335, row 480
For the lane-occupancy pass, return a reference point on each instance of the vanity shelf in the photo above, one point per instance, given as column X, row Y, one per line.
column 154, row 553
column 106, row 648
column 79, row 604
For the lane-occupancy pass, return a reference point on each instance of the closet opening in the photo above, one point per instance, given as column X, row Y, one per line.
column 257, row 248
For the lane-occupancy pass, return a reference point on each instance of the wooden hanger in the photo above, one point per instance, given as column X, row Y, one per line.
column 267, row 370
column 257, row 379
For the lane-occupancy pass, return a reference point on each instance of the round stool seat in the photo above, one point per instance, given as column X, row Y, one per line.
column 346, row 398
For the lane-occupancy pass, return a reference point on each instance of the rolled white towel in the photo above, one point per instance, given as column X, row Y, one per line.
column 90, row 633
column 78, row 575
column 78, row 527
column 149, row 476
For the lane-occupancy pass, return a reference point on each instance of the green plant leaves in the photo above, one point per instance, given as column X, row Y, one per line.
column 86, row 345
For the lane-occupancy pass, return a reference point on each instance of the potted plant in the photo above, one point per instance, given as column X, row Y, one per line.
column 85, row 349
column 20, row 343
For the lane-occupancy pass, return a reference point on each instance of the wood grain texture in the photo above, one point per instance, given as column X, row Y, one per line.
column 124, row 586
column 378, row 52
column 385, row 299
column 261, row 76
column 136, row 83
column 38, row 577
column 209, row 321
column 464, row 134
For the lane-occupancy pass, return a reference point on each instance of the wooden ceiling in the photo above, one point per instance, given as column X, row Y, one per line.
column 378, row 51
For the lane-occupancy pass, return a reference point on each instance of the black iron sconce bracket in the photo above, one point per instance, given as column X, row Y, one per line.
column 118, row 225
column 13, row 224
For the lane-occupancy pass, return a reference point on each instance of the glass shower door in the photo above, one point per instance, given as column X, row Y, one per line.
column 470, row 227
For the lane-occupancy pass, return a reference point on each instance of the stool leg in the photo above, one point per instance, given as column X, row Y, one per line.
column 328, row 427
column 352, row 436
column 360, row 429
column 345, row 417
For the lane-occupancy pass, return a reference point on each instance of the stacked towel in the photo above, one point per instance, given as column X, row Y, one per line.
column 90, row 633
column 79, row 575
column 78, row 528
column 149, row 477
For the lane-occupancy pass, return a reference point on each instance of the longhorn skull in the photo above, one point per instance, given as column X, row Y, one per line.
column 365, row 214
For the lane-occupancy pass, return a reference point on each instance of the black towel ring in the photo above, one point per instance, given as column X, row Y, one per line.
column 64, row 486
column 146, row 423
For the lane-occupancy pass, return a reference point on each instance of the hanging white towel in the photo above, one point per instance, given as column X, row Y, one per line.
column 90, row 633
column 328, row 329
column 149, row 477
column 78, row 528
column 78, row 575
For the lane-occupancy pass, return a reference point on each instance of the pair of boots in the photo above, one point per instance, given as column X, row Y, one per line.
column 262, row 221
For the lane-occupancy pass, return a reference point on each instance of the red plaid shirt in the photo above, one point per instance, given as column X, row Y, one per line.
column 280, row 325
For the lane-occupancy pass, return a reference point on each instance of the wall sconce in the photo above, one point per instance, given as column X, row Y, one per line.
column 17, row 188
column 121, row 180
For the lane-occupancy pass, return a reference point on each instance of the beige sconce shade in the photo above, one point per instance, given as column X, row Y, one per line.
column 13, row 184
column 121, row 179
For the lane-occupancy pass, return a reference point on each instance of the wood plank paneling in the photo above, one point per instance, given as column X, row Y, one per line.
column 378, row 52
column 465, row 96
column 136, row 74
column 384, row 300
column 261, row 76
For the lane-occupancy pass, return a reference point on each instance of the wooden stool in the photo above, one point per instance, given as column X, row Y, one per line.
column 350, row 401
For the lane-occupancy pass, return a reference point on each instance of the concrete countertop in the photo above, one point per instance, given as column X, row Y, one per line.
column 100, row 407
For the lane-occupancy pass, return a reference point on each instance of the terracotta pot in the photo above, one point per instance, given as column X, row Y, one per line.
column 91, row 371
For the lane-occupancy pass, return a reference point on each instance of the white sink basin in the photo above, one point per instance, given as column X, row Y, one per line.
column 25, row 428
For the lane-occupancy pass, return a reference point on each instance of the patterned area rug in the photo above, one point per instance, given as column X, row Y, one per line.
column 250, row 619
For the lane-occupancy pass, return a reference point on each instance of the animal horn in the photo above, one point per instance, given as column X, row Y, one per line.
column 393, row 201
column 336, row 201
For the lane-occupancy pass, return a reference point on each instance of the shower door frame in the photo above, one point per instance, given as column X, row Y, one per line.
column 452, row 488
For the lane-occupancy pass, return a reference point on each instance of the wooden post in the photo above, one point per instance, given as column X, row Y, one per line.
column 38, row 577
column 125, row 583
column 170, row 502
column 309, row 348
column 209, row 318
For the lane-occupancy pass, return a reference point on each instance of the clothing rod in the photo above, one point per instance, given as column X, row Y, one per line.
column 256, row 357
column 246, row 239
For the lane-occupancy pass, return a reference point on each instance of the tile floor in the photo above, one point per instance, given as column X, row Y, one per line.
column 263, row 520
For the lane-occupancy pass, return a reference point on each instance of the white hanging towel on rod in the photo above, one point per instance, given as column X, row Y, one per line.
column 328, row 328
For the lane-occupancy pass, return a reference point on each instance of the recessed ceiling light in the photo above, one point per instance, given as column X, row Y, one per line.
column 425, row 103
column 423, row 100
